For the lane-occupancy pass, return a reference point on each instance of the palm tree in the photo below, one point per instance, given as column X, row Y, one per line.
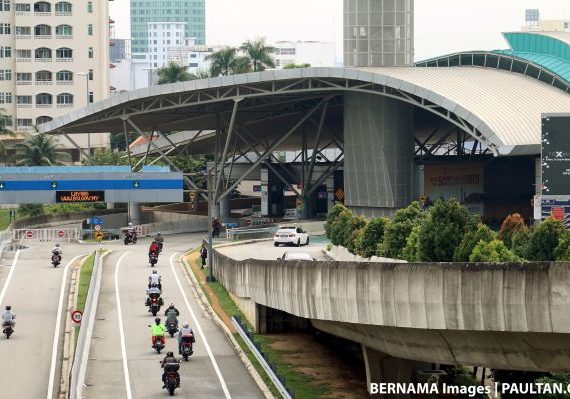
column 259, row 54
column 172, row 73
column 223, row 62
column 4, row 132
column 39, row 150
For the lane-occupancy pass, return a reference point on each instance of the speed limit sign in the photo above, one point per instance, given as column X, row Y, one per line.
column 76, row 316
column 97, row 227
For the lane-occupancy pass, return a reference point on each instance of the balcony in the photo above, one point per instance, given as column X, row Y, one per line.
column 42, row 13
column 42, row 36
column 64, row 82
column 63, row 13
column 43, row 60
column 64, row 37
column 43, row 82
column 64, row 105
column 44, row 105
column 23, row 13
column 24, row 105
column 23, row 60
column 23, row 82
column 28, row 36
column 64, row 60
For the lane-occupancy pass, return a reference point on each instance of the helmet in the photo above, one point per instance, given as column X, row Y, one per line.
column 171, row 305
column 8, row 307
column 158, row 234
column 186, row 325
column 157, row 320
column 57, row 244
column 130, row 224
column 169, row 353
column 154, row 272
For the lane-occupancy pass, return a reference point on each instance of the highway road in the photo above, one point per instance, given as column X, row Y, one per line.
column 267, row 251
column 38, row 295
column 122, row 363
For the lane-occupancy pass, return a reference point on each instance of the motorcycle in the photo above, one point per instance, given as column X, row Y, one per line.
column 154, row 303
column 8, row 330
column 160, row 245
column 216, row 231
column 172, row 378
column 55, row 260
column 158, row 345
column 152, row 259
column 187, row 347
column 171, row 327
column 130, row 237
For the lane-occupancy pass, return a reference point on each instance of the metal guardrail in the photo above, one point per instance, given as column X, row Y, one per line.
column 53, row 234
column 234, row 234
column 276, row 381
column 79, row 368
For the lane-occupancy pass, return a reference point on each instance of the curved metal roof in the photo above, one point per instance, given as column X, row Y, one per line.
column 500, row 108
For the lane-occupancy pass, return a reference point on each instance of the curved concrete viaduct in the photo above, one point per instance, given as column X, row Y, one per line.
column 510, row 316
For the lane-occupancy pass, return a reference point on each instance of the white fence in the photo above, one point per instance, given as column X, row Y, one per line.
column 61, row 234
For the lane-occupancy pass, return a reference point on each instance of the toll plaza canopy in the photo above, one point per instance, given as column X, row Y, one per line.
column 499, row 108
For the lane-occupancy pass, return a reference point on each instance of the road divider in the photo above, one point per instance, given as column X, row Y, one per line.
column 122, row 329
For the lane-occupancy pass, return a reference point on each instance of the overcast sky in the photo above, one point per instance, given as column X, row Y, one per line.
column 442, row 26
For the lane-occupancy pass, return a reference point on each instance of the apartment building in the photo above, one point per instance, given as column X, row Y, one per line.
column 54, row 58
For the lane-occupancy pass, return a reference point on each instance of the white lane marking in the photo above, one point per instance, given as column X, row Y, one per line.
column 122, row 330
column 201, row 332
column 5, row 288
column 57, row 328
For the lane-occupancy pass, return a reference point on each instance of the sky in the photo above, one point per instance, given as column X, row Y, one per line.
column 441, row 26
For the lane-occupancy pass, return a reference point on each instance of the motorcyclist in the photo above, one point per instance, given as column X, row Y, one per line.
column 157, row 331
column 130, row 230
column 153, row 292
column 57, row 251
column 216, row 226
column 172, row 313
column 159, row 239
column 170, row 363
column 185, row 333
column 153, row 249
column 8, row 317
column 155, row 279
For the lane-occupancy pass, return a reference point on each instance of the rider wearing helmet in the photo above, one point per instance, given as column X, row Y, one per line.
column 153, row 249
column 171, row 314
column 170, row 363
column 155, row 279
column 159, row 239
column 8, row 317
column 153, row 292
column 185, row 333
column 57, row 251
column 157, row 331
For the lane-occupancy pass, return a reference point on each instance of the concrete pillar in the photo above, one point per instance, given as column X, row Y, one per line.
column 225, row 208
column 330, row 192
column 381, row 367
column 264, row 191
column 378, row 154
column 135, row 213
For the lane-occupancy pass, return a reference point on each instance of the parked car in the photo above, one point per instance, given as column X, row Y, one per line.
column 296, row 256
column 291, row 235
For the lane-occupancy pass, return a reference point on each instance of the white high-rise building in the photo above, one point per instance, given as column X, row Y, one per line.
column 317, row 54
column 162, row 37
column 54, row 58
column 193, row 56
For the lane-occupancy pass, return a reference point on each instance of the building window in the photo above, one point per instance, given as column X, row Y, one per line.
column 42, row 6
column 43, row 119
column 44, row 99
column 5, row 97
column 90, row 29
column 65, row 99
column 89, row 6
column 24, row 54
column 23, row 31
column 24, row 77
column 42, row 30
column 44, row 76
column 42, row 53
column 24, row 100
column 22, row 7
column 286, row 51
column 91, row 97
column 6, row 121
column 90, row 52
column 63, row 30
column 4, row 5
column 63, row 8
column 5, row 74
column 64, row 76
column 91, row 74
column 64, row 53
column 5, row 52
column 24, row 122
column 5, row 29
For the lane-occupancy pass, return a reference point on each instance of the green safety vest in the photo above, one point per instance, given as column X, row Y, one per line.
column 157, row 330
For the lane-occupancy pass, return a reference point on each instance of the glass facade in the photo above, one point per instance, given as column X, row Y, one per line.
column 378, row 33
column 193, row 12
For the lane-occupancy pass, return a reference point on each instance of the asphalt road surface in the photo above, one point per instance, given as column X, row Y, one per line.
column 122, row 363
column 267, row 251
column 34, row 290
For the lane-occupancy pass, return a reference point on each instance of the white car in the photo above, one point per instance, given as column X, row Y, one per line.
column 296, row 256
column 291, row 235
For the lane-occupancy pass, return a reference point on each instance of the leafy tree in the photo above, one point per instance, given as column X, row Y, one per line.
column 331, row 218
column 172, row 73
column 410, row 251
column 343, row 228
column 4, row 133
column 294, row 66
column 399, row 229
column 562, row 251
column 259, row 54
column 470, row 240
column 447, row 222
column 460, row 376
column 372, row 235
column 200, row 74
column 39, row 150
column 544, row 240
column 224, row 61
column 31, row 210
column 520, row 243
column 493, row 252
column 516, row 377
column 510, row 226
column 105, row 156
column 358, row 223
column 562, row 379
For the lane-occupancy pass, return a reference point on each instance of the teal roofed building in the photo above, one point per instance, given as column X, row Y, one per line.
column 542, row 55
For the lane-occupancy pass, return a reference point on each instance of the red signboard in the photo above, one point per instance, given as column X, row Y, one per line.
column 61, row 233
column 29, row 234
column 557, row 213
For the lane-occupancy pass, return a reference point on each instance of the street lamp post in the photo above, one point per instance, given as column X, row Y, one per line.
column 86, row 74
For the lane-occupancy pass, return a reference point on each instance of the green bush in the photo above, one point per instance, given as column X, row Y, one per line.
column 30, row 210
column 461, row 377
column 358, row 224
column 343, row 227
column 331, row 218
column 492, row 252
column 520, row 243
column 397, row 232
column 562, row 379
column 512, row 224
column 410, row 251
column 371, row 236
column 471, row 239
column 446, row 224
column 544, row 240
column 562, row 251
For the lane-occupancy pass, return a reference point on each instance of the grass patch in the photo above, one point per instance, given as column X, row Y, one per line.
column 83, row 287
column 4, row 218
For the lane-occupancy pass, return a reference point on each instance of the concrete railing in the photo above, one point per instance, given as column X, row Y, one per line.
column 513, row 316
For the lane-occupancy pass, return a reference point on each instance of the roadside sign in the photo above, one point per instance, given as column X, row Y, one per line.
column 97, row 227
column 192, row 195
column 339, row 194
column 95, row 220
column 29, row 234
column 76, row 316
column 61, row 233
column 98, row 235
column 557, row 213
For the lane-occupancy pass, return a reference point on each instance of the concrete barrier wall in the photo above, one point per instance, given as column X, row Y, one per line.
column 531, row 297
column 173, row 222
column 59, row 218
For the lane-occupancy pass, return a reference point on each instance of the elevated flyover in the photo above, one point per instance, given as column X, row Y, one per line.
column 508, row 316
